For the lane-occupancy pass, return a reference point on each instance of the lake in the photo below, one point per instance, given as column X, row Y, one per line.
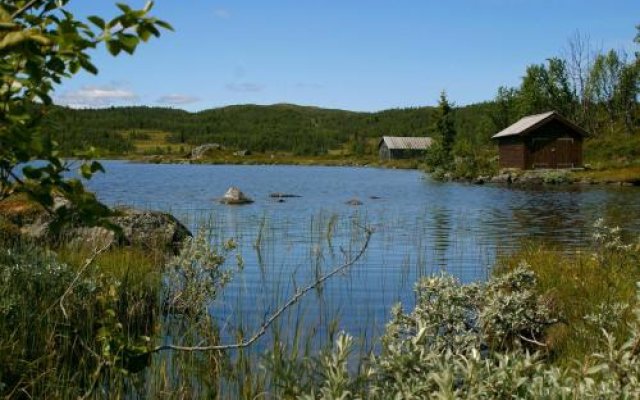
column 421, row 227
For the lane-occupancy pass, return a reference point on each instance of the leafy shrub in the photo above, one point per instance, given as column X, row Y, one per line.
column 555, row 177
column 489, row 341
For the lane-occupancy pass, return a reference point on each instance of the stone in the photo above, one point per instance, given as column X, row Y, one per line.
column 234, row 196
column 145, row 228
column 280, row 195
column 151, row 229
column 354, row 202
column 501, row 178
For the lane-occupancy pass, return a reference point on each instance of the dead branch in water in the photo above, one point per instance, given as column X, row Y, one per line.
column 275, row 315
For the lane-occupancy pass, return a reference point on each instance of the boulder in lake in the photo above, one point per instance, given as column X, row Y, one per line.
column 233, row 196
column 354, row 202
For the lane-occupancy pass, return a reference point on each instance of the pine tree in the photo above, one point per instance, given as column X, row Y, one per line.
column 444, row 124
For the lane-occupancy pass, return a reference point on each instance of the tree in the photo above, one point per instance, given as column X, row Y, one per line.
column 505, row 110
column 579, row 59
column 547, row 88
column 444, row 126
column 614, row 86
column 42, row 43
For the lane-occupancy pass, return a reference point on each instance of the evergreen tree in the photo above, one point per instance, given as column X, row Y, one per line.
column 444, row 127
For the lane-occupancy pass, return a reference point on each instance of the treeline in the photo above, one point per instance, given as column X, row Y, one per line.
column 282, row 127
column 596, row 89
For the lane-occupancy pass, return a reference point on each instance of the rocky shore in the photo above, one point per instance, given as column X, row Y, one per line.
column 22, row 218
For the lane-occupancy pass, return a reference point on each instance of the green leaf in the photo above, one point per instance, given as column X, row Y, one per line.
column 124, row 8
column 97, row 21
column 128, row 42
column 114, row 47
column 88, row 66
column 31, row 172
column 164, row 25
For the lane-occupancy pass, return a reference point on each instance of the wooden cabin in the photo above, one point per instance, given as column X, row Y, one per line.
column 395, row 147
column 545, row 140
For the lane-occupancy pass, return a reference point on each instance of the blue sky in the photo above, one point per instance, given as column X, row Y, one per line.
column 355, row 55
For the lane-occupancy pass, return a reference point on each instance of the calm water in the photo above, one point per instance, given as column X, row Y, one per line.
column 422, row 227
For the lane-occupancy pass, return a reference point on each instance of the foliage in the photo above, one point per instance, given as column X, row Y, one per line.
column 556, row 177
column 472, row 161
column 106, row 326
column 42, row 43
column 196, row 276
column 493, row 341
column 444, row 127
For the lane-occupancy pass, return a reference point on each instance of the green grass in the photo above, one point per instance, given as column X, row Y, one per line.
column 577, row 284
column 630, row 174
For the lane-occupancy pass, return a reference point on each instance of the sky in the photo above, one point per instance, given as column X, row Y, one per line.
column 350, row 54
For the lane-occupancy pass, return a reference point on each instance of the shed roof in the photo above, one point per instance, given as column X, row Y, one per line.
column 530, row 122
column 406, row 142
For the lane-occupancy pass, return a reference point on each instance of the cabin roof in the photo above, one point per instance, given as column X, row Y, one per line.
column 406, row 142
column 531, row 122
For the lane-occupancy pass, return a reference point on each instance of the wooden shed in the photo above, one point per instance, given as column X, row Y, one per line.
column 545, row 140
column 394, row 147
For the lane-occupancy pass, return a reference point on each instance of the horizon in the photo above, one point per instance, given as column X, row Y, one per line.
column 353, row 57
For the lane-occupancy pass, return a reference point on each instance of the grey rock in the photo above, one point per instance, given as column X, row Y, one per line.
column 234, row 196
column 152, row 229
column 501, row 178
column 354, row 202
column 148, row 229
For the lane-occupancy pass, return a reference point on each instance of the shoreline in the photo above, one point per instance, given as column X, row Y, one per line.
column 622, row 176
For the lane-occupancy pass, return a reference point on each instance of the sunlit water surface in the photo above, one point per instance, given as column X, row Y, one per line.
column 421, row 227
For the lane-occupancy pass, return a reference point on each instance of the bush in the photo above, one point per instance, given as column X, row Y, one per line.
column 492, row 341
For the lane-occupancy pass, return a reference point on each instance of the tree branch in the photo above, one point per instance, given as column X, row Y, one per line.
column 273, row 317
column 23, row 9
column 86, row 265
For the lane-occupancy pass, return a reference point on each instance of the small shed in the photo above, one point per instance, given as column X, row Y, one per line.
column 545, row 140
column 393, row 147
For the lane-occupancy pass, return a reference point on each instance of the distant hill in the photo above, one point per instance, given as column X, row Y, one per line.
column 300, row 130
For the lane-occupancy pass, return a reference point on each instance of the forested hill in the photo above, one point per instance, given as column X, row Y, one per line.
column 282, row 127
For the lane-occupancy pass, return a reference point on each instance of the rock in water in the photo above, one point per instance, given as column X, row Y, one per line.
column 280, row 195
column 233, row 195
column 354, row 202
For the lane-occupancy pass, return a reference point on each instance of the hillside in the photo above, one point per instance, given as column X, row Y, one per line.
column 289, row 128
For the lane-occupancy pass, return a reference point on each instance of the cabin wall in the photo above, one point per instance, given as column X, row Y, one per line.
column 553, row 145
column 384, row 152
column 512, row 152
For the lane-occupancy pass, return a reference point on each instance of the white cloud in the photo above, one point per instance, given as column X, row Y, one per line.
column 222, row 13
column 97, row 96
column 245, row 87
column 176, row 99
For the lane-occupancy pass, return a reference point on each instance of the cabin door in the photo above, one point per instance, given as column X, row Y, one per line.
column 552, row 153
column 542, row 153
column 563, row 153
